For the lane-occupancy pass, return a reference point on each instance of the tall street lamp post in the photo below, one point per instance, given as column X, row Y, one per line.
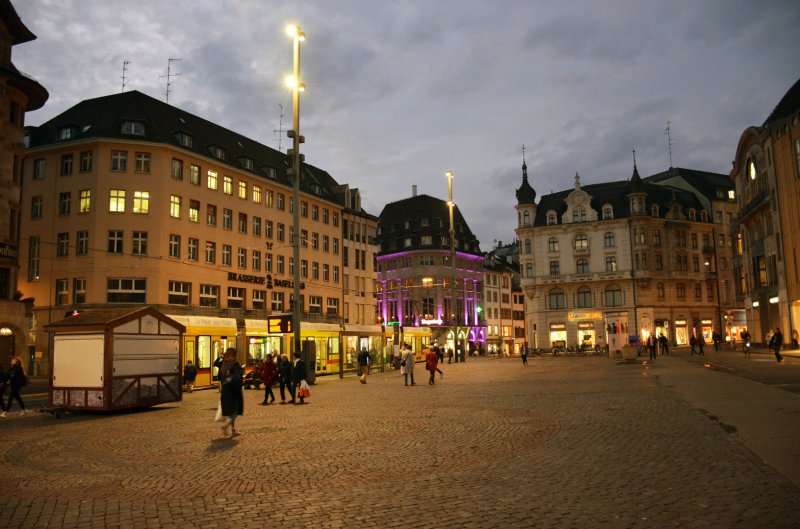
column 297, row 87
column 453, row 309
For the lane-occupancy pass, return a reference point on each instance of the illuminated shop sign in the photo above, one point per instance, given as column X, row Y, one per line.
column 579, row 315
column 437, row 321
column 263, row 280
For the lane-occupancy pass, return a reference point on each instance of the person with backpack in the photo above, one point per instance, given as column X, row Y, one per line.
column 16, row 381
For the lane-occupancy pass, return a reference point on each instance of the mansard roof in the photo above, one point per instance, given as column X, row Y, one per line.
column 616, row 195
column 102, row 118
column 788, row 105
column 705, row 182
column 415, row 210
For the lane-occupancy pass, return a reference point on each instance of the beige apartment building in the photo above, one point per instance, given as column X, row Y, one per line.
column 766, row 172
column 128, row 200
column 18, row 94
column 604, row 263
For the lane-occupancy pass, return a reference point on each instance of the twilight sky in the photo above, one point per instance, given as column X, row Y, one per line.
column 400, row 92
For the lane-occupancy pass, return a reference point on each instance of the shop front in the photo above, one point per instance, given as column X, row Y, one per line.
column 681, row 332
column 588, row 330
column 707, row 328
column 359, row 337
column 558, row 335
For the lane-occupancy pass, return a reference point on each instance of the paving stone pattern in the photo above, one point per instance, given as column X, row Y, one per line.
column 563, row 443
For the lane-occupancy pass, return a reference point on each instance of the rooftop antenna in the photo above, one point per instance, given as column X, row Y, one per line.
column 279, row 130
column 669, row 142
column 169, row 76
column 125, row 74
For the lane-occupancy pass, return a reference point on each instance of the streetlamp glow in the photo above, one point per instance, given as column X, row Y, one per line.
column 297, row 86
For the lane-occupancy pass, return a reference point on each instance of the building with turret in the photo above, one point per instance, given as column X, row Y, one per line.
column 603, row 263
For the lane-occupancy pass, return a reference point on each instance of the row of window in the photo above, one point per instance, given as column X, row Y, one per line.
column 581, row 241
column 139, row 247
column 134, row 290
column 613, row 296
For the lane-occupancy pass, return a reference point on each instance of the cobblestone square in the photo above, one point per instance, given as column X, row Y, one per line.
column 565, row 442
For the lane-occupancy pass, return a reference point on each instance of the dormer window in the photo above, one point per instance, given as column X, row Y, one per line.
column 654, row 210
column 608, row 212
column 134, row 128
column 247, row 163
column 703, row 215
column 732, row 193
column 66, row 133
column 579, row 214
column 551, row 218
column 185, row 140
column 692, row 215
column 526, row 218
column 423, row 222
column 217, row 152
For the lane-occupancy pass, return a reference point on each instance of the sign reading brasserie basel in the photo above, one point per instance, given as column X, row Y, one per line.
column 576, row 315
column 263, row 280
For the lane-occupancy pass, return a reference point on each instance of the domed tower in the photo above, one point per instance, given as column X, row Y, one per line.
column 526, row 218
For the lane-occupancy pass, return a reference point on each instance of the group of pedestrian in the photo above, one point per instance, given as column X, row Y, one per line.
column 698, row 344
column 15, row 380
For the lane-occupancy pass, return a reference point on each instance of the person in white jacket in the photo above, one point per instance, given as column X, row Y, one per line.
column 408, row 364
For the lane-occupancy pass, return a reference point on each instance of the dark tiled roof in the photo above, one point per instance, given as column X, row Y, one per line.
column 705, row 182
column 392, row 221
column 102, row 118
column 616, row 194
column 636, row 185
column 19, row 32
column 788, row 105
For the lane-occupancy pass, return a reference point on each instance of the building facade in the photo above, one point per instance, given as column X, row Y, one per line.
column 766, row 172
column 19, row 94
column 128, row 200
column 498, row 308
column 419, row 285
column 607, row 263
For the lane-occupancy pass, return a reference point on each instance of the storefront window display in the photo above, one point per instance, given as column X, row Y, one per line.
column 558, row 335
column 681, row 332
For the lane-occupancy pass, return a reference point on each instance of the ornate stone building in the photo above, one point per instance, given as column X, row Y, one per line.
column 766, row 172
column 18, row 94
column 602, row 263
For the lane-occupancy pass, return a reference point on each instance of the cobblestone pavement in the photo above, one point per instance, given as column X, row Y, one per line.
column 565, row 442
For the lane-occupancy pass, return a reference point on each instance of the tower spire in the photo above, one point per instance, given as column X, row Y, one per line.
column 524, row 165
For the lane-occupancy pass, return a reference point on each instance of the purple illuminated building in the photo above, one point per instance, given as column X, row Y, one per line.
column 417, row 281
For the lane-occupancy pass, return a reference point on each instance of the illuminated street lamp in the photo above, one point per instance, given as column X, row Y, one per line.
column 297, row 86
column 454, row 312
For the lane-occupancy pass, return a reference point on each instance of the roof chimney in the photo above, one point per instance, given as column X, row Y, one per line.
column 414, row 190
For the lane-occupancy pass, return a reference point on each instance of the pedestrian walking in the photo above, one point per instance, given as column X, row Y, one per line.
column 16, row 381
column 431, row 361
column 363, row 365
column 189, row 375
column 775, row 343
column 523, row 352
column 693, row 344
column 407, row 364
column 701, row 344
column 231, row 397
column 285, row 378
column 651, row 346
column 449, row 355
column 298, row 376
column 3, row 384
column 717, row 338
column 268, row 375
column 746, row 341
column 397, row 353
column 664, row 343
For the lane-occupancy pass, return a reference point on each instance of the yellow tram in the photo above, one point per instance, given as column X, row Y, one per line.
column 205, row 339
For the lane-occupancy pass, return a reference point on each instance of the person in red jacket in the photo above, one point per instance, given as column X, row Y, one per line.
column 431, row 361
column 268, row 375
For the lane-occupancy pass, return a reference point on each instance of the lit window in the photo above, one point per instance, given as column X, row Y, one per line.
column 116, row 201
column 243, row 190
column 257, row 194
column 141, row 201
column 212, row 179
column 175, row 206
column 227, row 185
column 85, row 200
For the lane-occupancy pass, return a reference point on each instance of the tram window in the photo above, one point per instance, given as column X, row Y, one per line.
column 203, row 352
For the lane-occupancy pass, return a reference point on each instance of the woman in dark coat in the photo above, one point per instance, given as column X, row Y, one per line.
column 268, row 375
column 17, row 380
column 232, row 399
